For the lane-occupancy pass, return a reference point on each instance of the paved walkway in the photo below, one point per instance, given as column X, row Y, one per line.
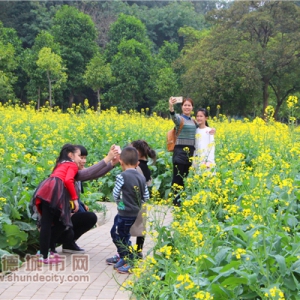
column 100, row 282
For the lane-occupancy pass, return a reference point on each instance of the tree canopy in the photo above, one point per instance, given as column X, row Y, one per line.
column 240, row 55
column 253, row 46
column 76, row 34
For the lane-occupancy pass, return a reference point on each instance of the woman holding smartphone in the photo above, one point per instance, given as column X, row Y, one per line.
column 185, row 143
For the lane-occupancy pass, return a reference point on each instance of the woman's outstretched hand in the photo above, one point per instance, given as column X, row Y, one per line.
column 172, row 101
column 113, row 155
column 212, row 131
column 76, row 204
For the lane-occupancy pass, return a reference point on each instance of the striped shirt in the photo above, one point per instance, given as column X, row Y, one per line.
column 129, row 192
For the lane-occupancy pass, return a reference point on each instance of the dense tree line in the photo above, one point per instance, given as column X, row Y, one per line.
column 240, row 55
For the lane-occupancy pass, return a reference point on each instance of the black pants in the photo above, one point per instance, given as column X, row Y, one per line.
column 82, row 222
column 51, row 228
column 180, row 171
column 140, row 243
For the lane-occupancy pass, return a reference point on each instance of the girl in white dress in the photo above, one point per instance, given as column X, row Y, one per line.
column 204, row 143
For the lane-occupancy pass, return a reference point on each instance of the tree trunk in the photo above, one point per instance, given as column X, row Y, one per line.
column 133, row 102
column 278, row 104
column 71, row 99
column 50, row 89
column 280, row 100
column 39, row 98
column 277, row 110
column 265, row 96
column 98, row 98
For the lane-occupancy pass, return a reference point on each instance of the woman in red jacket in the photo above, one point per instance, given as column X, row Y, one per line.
column 52, row 200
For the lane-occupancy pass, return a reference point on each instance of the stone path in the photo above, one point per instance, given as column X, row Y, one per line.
column 70, row 280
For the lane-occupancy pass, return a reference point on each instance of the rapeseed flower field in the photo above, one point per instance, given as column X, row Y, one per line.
column 236, row 235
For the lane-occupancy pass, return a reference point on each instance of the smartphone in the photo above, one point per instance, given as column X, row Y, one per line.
column 118, row 148
column 178, row 99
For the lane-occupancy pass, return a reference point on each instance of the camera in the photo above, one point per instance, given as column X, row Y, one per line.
column 178, row 99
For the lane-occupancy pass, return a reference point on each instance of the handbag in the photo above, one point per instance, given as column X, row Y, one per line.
column 172, row 136
column 138, row 228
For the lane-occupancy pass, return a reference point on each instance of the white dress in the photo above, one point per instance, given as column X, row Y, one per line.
column 204, row 147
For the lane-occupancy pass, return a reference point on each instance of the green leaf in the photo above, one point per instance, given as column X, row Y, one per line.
column 281, row 264
column 277, row 244
column 220, row 256
column 25, row 226
column 14, row 213
column 232, row 264
column 251, row 295
column 292, row 221
column 296, row 267
column 234, row 281
column 223, row 274
column 220, row 292
column 3, row 242
column 284, row 196
column 13, row 235
column 289, row 282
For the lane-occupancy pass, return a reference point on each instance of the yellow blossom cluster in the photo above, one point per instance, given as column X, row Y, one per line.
column 275, row 293
column 292, row 101
column 239, row 252
column 2, row 202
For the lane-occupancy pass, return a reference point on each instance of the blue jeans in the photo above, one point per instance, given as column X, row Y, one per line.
column 121, row 236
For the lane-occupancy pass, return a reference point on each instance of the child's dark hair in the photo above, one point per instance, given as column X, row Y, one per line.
column 129, row 156
column 144, row 149
column 63, row 155
column 205, row 112
column 82, row 149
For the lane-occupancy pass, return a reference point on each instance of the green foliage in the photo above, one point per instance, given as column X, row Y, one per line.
column 131, row 68
column 125, row 28
column 6, row 88
column 251, row 49
column 191, row 35
column 9, row 36
column 27, row 18
column 51, row 64
column 38, row 85
column 169, row 52
column 97, row 75
column 76, row 34
column 8, row 62
column 166, row 85
column 249, row 52
column 164, row 22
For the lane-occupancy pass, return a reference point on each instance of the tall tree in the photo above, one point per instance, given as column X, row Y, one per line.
column 169, row 52
column 212, row 76
column 37, row 84
column 163, row 23
column 129, row 52
column 8, row 62
column 97, row 75
column 103, row 14
column 51, row 64
column 131, row 67
column 125, row 28
column 28, row 18
column 76, row 34
column 252, row 44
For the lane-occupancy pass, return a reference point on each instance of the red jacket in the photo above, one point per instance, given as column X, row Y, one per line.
column 66, row 172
